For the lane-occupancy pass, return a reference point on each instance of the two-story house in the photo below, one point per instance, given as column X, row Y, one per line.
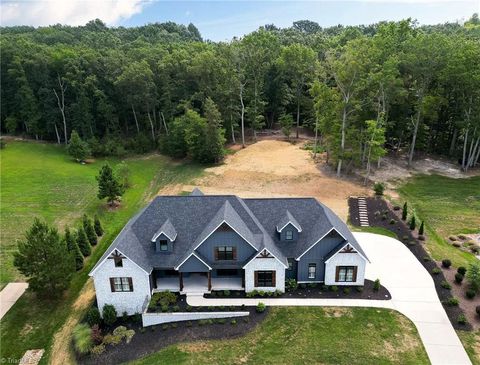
column 199, row 243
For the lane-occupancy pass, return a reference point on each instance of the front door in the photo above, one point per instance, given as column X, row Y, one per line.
column 291, row 272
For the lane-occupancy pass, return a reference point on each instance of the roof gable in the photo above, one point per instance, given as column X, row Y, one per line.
column 168, row 230
column 287, row 219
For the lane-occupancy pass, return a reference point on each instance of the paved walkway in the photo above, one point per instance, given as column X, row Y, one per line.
column 9, row 295
column 413, row 294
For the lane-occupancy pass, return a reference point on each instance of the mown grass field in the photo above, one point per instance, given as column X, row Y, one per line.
column 41, row 180
column 309, row 335
column 449, row 207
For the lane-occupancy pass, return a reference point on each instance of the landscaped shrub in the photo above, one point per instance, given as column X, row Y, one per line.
column 246, row 319
column 312, row 285
column 221, row 321
column 137, row 318
column 211, row 308
column 232, row 308
column 359, row 289
column 421, row 237
column 456, row 244
column 278, row 293
column 475, row 249
column 176, row 308
column 96, row 334
column 93, row 316
column 303, row 285
column 189, row 324
column 98, row 350
column 82, row 338
column 97, row 226
column 393, row 221
column 324, row 287
column 291, row 284
column 473, row 276
column 233, row 322
column 461, row 319
column 477, row 309
column 446, row 263
column 376, row 285
column 404, row 211
column 124, row 333
column 458, row 278
column 165, row 298
column 462, row 270
column 209, row 321
column 334, row 288
column 164, row 308
column 174, row 325
column 346, row 291
column 153, row 328
column 452, row 238
column 412, row 223
column 109, row 314
column 384, row 216
column 379, row 188
column 421, row 229
column 436, row 271
column 445, row 285
column 426, row 258
column 226, row 293
column 260, row 307
column 165, row 327
column 396, row 207
column 124, row 316
column 189, row 308
column 452, row 301
column 470, row 293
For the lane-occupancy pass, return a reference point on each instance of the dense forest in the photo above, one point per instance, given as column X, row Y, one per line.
column 360, row 89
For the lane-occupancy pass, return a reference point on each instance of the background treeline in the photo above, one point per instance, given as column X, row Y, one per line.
column 161, row 86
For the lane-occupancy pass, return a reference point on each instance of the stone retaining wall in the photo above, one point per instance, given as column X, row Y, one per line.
column 150, row 319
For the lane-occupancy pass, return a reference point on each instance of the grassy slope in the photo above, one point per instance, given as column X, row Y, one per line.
column 377, row 230
column 31, row 323
column 303, row 335
column 471, row 342
column 449, row 206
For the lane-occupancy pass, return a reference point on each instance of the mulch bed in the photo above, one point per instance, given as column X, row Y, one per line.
column 155, row 338
column 318, row 291
column 386, row 214
column 184, row 307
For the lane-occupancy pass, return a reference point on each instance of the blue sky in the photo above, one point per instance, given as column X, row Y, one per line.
column 222, row 20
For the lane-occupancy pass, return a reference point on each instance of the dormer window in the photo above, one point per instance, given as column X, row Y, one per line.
column 118, row 261
column 289, row 235
column 163, row 245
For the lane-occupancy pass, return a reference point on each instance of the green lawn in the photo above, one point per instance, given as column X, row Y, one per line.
column 309, row 335
column 377, row 230
column 448, row 206
column 40, row 180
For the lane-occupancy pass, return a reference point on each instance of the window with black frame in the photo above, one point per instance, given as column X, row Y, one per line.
column 265, row 278
column 224, row 253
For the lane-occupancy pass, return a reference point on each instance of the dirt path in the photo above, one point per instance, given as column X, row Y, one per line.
column 272, row 168
column 61, row 342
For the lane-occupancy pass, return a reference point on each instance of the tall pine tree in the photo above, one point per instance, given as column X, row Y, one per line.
column 89, row 230
column 108, row 185
column 214, row 134
column 73, row 248
column 82, row 242
column 98, row 226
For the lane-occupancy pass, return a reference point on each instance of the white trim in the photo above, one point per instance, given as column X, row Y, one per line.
column 259, row 252
column 214, row 230
column 341, row 248
column 286, row 224
column 194, row 254
column 154, row 238
column 106, row 257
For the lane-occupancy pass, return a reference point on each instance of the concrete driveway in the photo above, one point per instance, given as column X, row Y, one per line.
column 9, row 295
column 413, row 294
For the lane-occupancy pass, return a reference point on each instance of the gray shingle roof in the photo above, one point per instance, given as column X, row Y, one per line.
column 196, row 192
column 194, row 217
column 288, row 218
column 167, row 229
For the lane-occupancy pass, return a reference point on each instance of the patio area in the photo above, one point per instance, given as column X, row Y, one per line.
column 170, row 283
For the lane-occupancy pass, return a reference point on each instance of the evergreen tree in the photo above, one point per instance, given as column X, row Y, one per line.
column 44, row 259
column 286, row 122
column 97, row 226
column 108, row 185
column 74, row 249
column 412, row 223
column 405, row 211
column 77, row 148
column 89, row 230
column 421, row 229
column 214, row 134
column 82, row 242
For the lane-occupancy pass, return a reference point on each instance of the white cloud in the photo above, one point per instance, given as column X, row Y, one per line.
column 71, row 12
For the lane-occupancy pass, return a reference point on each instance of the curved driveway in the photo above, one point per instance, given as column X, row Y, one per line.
column 413, row 294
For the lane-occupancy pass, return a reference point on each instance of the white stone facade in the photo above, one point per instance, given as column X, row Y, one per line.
column 264, row 264
column 130, row 302
column 345, row 259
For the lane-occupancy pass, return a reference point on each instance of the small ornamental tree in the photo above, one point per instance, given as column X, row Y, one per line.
column 44, row 259
column 73, row 248
column 473, row 276
column 89, row 230
column 405, row 211
column 412, row 223
column 97, row 226
column 286, row 122
column 108, row 185
column 421, row 229
column 82, row 242
column 109, row 314
column 77, row 148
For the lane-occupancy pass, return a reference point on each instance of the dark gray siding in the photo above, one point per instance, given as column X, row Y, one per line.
column 193, row 265
column 316, row 255
column 289, row 227
column 291, row 274
column 157, row 244
column 226, row 238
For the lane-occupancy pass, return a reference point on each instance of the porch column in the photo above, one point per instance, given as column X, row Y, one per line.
column 209, row 280
column 243, row 278
column 154, row 279
column 180, row 276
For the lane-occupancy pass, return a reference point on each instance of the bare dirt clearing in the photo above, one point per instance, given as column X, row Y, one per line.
column 271, row 168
